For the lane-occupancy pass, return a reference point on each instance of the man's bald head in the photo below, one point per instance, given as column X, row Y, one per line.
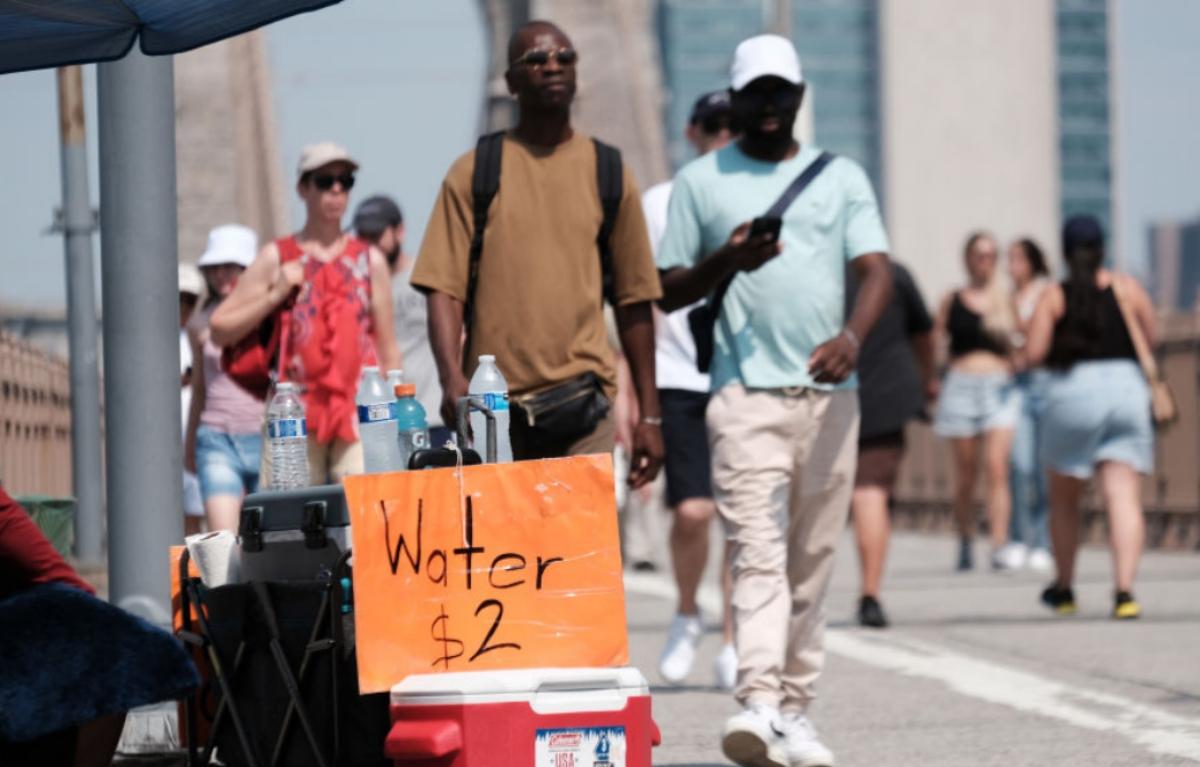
column 541, row 68
column 535, row 34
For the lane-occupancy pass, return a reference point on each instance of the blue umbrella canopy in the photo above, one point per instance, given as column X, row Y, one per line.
column 35, row 34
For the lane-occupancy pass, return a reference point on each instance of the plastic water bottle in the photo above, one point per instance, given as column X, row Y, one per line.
column 394, row 378
column 377, row 423
column 411, row 423
column 287, row 439
column 489, row 383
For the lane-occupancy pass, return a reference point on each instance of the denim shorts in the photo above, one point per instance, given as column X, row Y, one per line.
column 975, row 403
column 227, row 464
column 1097, row 411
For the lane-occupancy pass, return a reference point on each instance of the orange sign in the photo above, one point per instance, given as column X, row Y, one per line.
column 497, row 566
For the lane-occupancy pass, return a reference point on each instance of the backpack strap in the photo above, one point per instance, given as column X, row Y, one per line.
column 276, row 328
column 610, row 183
column 485, row 182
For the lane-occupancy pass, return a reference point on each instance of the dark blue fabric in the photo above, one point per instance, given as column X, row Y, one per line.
column 52, row 33
column 67, row 658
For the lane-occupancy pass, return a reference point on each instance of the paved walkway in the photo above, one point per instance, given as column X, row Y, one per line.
column 974, row 671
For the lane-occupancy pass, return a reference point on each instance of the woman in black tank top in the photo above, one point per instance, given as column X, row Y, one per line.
column 1097, row 409
column 979, row 404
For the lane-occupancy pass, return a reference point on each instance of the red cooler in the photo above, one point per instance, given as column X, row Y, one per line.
column 539, row 717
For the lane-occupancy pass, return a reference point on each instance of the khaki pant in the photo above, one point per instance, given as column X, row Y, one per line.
column 783, row 473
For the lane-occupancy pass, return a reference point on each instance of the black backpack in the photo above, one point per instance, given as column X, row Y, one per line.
column 485, row 182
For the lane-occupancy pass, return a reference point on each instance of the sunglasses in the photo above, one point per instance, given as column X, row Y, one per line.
column 325, row 181
column 783, row 99
column 541, row 57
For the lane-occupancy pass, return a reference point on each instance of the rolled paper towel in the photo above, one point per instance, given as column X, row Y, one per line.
column 217, row 557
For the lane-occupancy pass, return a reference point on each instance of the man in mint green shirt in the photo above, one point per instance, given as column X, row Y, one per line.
column 783, row 419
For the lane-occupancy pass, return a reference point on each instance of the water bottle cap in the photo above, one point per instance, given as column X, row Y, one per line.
column 406, row 390
column 396, row 373
column 486, row 358
column 370, row 369
column 283, row 386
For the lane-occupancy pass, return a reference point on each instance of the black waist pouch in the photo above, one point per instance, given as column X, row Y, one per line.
column 568, row 410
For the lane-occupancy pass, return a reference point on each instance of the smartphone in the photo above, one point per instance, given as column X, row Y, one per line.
column 766, row 225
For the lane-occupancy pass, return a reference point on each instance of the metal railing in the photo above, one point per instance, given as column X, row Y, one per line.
column 35, row 420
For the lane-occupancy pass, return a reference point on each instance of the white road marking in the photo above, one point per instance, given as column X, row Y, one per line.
column 1158, row 731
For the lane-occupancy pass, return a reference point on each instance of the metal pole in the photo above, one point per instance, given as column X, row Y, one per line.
column 781, row 18
column 77, row 224
column 141, row 329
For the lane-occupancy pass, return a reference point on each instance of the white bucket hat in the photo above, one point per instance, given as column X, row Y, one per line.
column 230, row 244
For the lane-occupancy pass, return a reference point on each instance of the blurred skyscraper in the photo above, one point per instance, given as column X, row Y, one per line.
column 1085, row 109
column 967, row 114
column 1175, row 264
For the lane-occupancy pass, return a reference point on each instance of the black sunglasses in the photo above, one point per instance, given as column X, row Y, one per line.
column 325, row 181
column 783, row 99
column 541, row 57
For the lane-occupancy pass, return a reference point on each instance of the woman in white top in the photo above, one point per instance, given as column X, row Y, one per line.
column 1028, row 537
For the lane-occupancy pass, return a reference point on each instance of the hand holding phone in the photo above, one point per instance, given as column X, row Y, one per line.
column 766, row 225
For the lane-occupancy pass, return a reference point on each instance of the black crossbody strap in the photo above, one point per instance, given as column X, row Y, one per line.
column 794, row 190
column 485, row 182
column 610, row 183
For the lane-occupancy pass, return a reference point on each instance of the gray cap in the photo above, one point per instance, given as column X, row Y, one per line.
column 375, row 214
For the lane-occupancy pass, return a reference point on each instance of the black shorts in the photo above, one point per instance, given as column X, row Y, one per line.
column 688, row 465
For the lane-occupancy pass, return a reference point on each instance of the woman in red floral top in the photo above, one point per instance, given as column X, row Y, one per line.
column 334, row 290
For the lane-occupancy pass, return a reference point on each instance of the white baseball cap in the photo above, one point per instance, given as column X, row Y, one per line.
column 230, row 244
column 190, row 280
column 764, row 56
column 314, row 156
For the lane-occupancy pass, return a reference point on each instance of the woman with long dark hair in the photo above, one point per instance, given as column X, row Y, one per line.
column 1096, row 410
column 1028, row 536
column 979, row 403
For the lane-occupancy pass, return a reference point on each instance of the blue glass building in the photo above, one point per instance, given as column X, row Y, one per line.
column 838, row 44
column 697, row 38
column 839, row 52
column 1084, row 109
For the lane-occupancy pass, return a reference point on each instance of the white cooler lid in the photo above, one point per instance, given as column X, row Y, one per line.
column 547, row 690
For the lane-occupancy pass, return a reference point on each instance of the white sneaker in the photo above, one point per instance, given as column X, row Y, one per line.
column 1040, row 561
column 680, row 652
column 1013, row 556
column 752, row 738
column 801, row 744
column 725, row 668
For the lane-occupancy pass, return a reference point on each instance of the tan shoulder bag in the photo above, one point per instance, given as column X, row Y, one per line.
column 1163, row 409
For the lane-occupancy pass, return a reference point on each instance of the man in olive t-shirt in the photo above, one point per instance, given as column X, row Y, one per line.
column 538, row 303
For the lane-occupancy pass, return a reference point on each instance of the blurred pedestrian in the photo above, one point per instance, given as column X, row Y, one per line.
column 378, row 220
column 783, row 418
column 896, row 376
column 683, row 394
column 1096, row 418
column 1029, row 542
column 529, row 283
column 191, row 288
column 334, row 292
column 224, row 431
column 979, row 402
